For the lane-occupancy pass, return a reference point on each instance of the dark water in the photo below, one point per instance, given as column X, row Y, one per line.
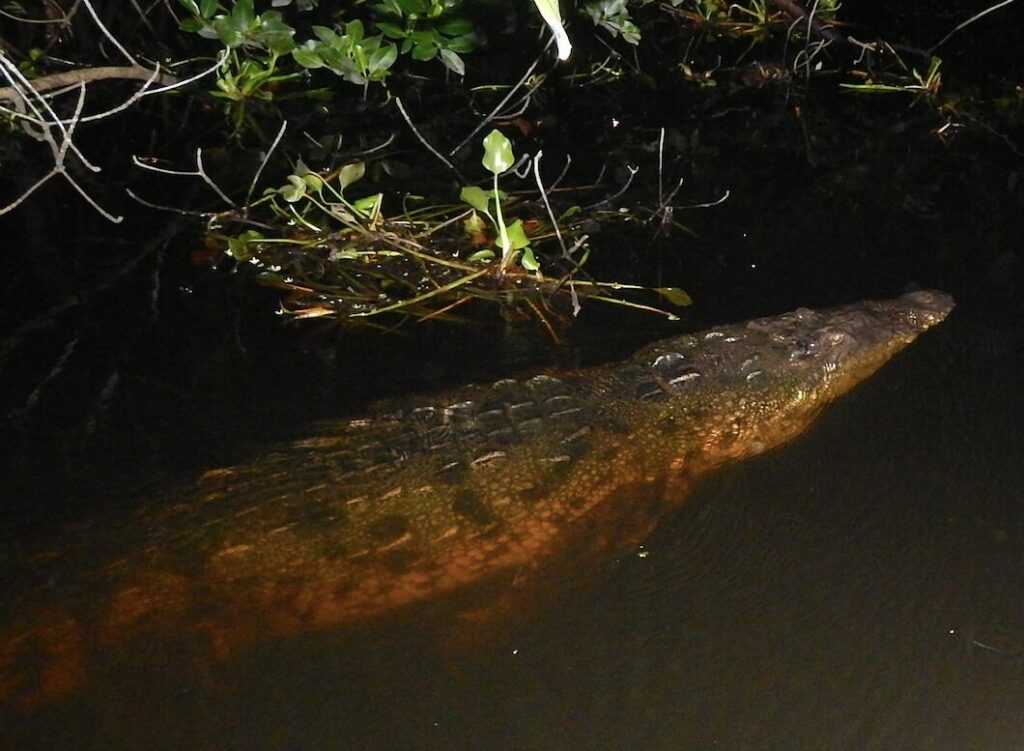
column 862, row 588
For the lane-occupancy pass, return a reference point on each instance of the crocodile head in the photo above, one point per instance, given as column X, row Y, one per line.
column 744, row 388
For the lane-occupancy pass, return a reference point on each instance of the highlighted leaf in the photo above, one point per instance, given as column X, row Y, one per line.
column 498, row 155
column 674, row 295
column 453, row 62
column 295, row 189
column 350, row 173
column 528, row 261
column 517, row 236
column 553, row 18
column 476, row 197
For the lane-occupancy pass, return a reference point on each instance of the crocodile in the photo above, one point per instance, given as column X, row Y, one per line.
column 428, row 497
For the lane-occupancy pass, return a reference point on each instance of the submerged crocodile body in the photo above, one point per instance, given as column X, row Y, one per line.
column 424, row 499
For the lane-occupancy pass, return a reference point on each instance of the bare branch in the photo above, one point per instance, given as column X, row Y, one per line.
column 199, row 172
column 106, row 32
column 59, row 152
column 74, row 77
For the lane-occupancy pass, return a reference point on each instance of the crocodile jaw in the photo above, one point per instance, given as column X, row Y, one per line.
column 745, row 388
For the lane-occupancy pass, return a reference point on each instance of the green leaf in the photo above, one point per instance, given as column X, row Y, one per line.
column 391, row 31
column 238, row 247
column 674, row 295
column 482, row 255
column 333, row 59
column 412, row 8
column 190, row 6
column 516, row 235
column 228, row 32
column 275, row 33
column 453, row 62
column 349, row 174
column 424, row 51
column 456, row 27
column 271, row 23
column 307, row 58
column 354, row 30
column 497, row 153
column 528, row 261
column 348, row 253
column 476, row 197
column 280, row 44
column 383, row 59
column 243, row 14
column 208, row 8
column 295, row 189
column 326, row 35
column 368, row 204
column 463, row 44
column 192, row 25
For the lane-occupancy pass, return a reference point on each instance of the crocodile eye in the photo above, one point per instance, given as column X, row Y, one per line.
column 669, row 364
column 836, row 337
column 799, row 349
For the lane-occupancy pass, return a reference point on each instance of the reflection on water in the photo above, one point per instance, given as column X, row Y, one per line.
column 860, row 589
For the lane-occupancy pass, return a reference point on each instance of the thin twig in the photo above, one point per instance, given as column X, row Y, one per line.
column 106, row 32
column 547, row 204
column 55, row 371
column 632, row 173
column 968, row 22
column 173, row 209
column 723, row 199
column 266, row 158
column 431, row 149
column 661, row 164
column 483, row 123
column 561, row 175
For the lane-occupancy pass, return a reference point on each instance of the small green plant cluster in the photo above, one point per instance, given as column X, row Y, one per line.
column 753, row 11
column 341, row 257
column 748, row 18
column 355, row 57
column 512, row 239
column 905, row 80
column 426, row 29
column 264, row 51
column 614, row 17
column 423, row 29
column 239, row 26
